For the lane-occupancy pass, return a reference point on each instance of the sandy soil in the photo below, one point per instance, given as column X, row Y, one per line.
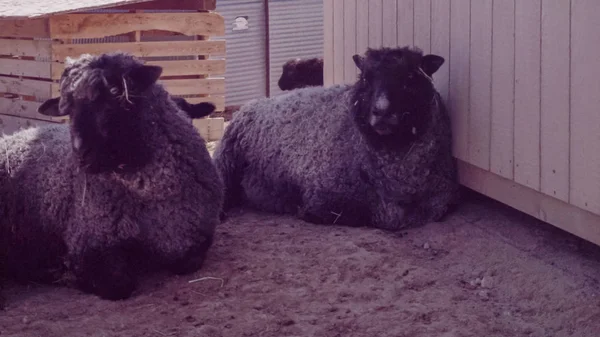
column 485, row 271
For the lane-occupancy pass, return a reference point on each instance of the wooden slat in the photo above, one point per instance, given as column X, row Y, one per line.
column 362, row 27
column 25, row 68
column 211, row 129
column 171, row 4
column 20, row 108
column 459, row 76
column 98, row 25
column 440, row 43
column 551, row 210
column 31, row 48
column 555, row 99
column 338, row 42
column 375, row 23
column 503, row 83
column 24, row 28
column 26, row 87
column 218, row 101
column 390, row 24
column 328, row 55
column 171, row 67
column 11, row 124
column 422, row 22
column 527, row 93
column 141, row 49
column 349, row 40
column 585, row 100
column 406, row 16
column 480, row 118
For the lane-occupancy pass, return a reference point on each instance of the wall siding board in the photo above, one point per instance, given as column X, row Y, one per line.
column 422, row 25
column 362, row 27
column 555, row 99
column 389, row 19
column 503, row 88
column 349, row 40
column 339, row 53
column 328, row 47
column 375, row 23
column 405, row 19
column 440, row 43
column 480, row 83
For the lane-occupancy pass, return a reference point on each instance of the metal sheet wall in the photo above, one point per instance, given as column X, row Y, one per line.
column 295, row 30
column 245, row 76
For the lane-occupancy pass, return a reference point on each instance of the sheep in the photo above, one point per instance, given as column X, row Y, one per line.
column 194, row 111
column 375, row 153
column 301, row 73
column 126, row 188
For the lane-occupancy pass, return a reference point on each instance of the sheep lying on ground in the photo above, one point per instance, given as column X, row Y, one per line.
column 377, row 152
column 300, row 73
column 126, row 188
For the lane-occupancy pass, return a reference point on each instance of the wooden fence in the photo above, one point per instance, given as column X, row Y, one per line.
column 522, row 82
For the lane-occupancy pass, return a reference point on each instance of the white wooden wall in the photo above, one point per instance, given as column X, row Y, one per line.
column 521, row 80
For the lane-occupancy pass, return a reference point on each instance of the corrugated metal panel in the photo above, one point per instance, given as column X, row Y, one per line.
column 245, row 76
column 295, row 30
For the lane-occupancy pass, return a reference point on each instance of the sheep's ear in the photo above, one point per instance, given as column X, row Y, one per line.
column 431, row 63
column 145, row 76
column 358, row 60
column 50, row 108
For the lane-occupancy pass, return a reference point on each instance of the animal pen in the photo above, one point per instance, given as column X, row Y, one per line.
column 37, row 36
column 522, row 86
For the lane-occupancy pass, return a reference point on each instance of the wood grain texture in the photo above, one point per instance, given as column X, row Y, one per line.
column 585, row 100
column 99, row 25
column 27, row 48
column 328, row 56
column 350, row 31
column 339, row 55
column 440, row 44
column 25, row 68
column 141, row 49
column 555, row 99
column 362, row 27
column 527, row 93
column 25, row 28
column 21, row 108
column 503, row 88
column 210, row 129
column 422, row 24
column 459, row 76
column 375, row 23
column 26, row 87
column 480, row 99
column 405, row 28
column 389, row 17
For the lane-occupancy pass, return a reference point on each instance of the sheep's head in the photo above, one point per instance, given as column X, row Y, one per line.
column 102, row 96
column 299, row 73
column 394, row 92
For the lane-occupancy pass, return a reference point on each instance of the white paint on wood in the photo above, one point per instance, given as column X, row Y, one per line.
column 440, row 43
column 459, row 76
column 406, row 16
column 375, row 23
column 328, row 24
column 585, row 105
column 422, row 24
column 503, row 88
column 339, row 53
column 349, row 40
column 555, row 99
column 390, row 23
column 362, row 27
column 527, row 93
column 480, row 118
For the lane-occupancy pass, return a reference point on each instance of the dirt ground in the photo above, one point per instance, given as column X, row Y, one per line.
column 485, row 271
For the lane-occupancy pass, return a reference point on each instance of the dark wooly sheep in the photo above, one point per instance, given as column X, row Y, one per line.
column 127, row 187
column 198, row 110
column 300, row 73
column 377, row 152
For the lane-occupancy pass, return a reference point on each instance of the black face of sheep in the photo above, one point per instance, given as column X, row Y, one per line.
column 99, row 95
column 392, row 97
column 299, row 73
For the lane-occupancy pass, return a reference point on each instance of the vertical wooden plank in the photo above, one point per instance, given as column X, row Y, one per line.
column 527, row 93
column 585, row 100
column 405, row 22
column 422, row 25
column 362, row 26
column 459, row 75
column 375, row 23
column 390, row 26
column 328, row 59
column 503, row 88
column 349, row 40
column 338, row 42
column 440, row 43
column 555, row 99
column 480, row 93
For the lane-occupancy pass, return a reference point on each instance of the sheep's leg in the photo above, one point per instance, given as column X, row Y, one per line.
column 106, row 272
column 193, row 259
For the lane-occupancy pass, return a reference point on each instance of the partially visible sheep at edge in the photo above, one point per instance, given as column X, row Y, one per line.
column 301, row 73
column 377, row 152
column 126, row 188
